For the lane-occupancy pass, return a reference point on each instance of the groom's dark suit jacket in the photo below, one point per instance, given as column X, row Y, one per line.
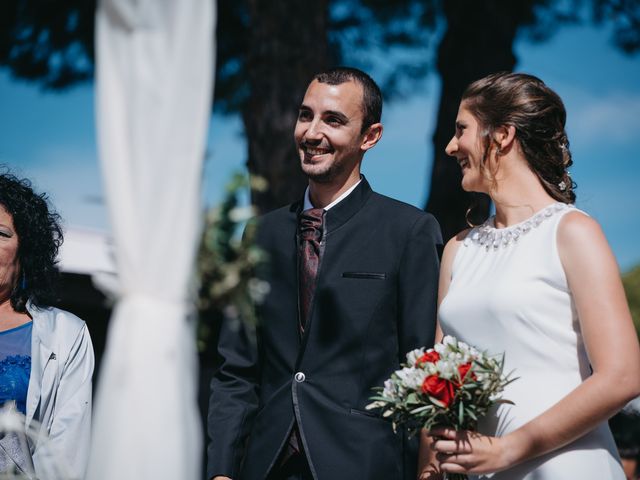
column 375, row 300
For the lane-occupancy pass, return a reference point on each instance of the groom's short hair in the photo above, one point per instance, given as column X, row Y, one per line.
column 371, row 94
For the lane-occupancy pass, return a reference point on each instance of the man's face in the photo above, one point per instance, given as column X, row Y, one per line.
column 328, row 131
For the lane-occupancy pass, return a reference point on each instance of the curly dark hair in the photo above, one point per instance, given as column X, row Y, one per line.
column 39, row 238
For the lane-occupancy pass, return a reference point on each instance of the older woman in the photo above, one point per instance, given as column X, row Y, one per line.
column 46, row 356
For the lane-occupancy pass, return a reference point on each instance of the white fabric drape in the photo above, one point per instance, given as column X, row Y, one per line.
column 154, row 85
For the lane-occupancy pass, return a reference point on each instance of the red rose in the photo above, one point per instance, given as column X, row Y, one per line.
column 430, row 357
column 438, row 388
column 463, row 370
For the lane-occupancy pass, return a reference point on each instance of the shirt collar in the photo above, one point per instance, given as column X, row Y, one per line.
column 308, row 204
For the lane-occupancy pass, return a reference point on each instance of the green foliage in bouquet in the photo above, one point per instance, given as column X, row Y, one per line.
column 452, row 385
column 227, row 262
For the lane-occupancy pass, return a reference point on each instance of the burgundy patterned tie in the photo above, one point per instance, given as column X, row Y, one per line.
column 310, row 225
column 310, row 236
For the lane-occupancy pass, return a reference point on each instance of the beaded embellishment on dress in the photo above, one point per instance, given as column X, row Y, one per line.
column 491, row 237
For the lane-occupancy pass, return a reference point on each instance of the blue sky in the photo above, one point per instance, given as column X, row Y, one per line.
column 50, row 138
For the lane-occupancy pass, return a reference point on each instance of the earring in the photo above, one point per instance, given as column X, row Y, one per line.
column 562, row 186
column 23, row 282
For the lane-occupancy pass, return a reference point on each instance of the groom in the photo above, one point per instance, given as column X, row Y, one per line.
column 353, row 278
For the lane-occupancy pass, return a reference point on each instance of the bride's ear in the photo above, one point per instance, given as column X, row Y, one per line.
column 504, row 137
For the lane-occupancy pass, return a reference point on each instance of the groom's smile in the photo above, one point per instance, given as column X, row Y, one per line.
column 310, row 151
column 328, row 130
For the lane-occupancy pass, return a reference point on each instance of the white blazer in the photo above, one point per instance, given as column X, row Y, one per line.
column 59, row 393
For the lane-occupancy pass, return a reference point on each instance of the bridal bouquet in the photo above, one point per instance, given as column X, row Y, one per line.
column 450, row 385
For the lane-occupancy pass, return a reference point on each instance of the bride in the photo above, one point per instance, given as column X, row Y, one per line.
column 538, row 282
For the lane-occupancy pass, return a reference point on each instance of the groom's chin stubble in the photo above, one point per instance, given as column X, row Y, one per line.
column 326, row 176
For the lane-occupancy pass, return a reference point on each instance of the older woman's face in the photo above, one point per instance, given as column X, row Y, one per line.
column 9, row 266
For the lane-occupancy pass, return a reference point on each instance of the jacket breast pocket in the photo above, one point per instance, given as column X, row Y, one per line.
column 365, row 275
column 364, row 413
column 367, row 415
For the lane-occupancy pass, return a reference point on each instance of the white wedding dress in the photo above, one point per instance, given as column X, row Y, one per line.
column 509, row 294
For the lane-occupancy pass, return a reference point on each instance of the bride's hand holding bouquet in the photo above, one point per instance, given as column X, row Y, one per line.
column 445, row 390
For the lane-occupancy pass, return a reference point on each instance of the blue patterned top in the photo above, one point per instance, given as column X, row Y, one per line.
column 15, row 364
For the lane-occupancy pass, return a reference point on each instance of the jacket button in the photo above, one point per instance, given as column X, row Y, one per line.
column 300, row 377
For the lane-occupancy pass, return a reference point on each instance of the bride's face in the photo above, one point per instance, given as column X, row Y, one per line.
column 466, row 147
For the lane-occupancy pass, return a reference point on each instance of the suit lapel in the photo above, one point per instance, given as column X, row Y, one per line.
column 334, row 219
column 347, row 208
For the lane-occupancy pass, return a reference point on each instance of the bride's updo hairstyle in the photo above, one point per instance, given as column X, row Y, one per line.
column 538, row 115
